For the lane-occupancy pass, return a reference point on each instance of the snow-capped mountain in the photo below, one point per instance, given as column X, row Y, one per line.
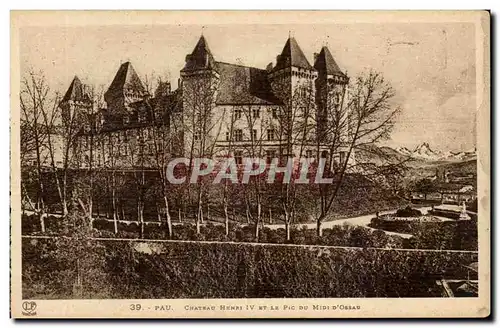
column 425, row 152
column 459, row 155
column 404, row 151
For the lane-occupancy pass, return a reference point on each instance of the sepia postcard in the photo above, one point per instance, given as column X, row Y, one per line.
column 250, row 164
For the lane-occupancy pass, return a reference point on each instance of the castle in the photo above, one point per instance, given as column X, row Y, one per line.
column 218, row 109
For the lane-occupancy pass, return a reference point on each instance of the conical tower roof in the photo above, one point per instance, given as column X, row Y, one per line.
column 76, row 92
column 325, row 64
column 201, row 57
column 292, row 55
column 126, row 79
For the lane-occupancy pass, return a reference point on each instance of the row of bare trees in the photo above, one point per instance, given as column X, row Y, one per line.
column 356, row 119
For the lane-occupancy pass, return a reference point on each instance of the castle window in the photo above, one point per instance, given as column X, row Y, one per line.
column 238, row 157
column 237, row 114
column 238, row 135
column 275, row 112
column 254, row 134
column 309, row 153
column 142, row 117
column 126, row 119
column 197, row 136
column 256, row 112
column 270, row 134
column 270, row 154
column 228, row 136
column 342, row 157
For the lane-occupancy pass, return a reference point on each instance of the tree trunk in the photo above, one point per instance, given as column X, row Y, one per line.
column 270, row 217
column 41, row 215
column 199, row 215
column 115, row 210
column 169, row 219
column 226, row 219
column 42, row 222
column 65, row 197
column 257, row 222
column 287, row 225
column 247, row 211
column 90, row 213
column 287, row 230
column 319, row 229
column 141, row 218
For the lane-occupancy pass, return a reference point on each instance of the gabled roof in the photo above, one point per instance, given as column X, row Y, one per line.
column 126, row 79
column 200, row 58
column 243, row 85
column 76, row 92
column 292, row 55
column 325, row 64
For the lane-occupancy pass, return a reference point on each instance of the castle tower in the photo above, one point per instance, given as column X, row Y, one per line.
column 330, row 89
column 292, row 80
column 291, row 73
column 125, row 89
column 76, row 101
column 199, row 83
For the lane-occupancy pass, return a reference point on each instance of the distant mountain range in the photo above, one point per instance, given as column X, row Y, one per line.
column 425, row 152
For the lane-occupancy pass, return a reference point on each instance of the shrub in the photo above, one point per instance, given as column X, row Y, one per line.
column 180, row 270
column 408, row 212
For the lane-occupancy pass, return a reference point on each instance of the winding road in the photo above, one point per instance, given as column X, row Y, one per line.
column 362, row 221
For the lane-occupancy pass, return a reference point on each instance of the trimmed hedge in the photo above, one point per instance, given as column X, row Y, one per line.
column 222, row 270
column 460, row 235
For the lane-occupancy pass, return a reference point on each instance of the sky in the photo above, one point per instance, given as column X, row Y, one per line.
column 431, row 66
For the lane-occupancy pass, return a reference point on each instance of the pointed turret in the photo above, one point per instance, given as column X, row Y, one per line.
column 76, row 101
column 76, row 92
column 292, row 56
column 126, row 80
column 201, row 58
column 325, row 64
column 125, row 89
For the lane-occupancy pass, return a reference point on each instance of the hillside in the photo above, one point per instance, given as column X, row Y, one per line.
column 421, row 163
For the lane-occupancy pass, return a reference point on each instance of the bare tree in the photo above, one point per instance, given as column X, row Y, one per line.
column 201, row 128
column 34, row 99
column 165, row 137
column 353, row 127
column 90, row 141
column 295, row 128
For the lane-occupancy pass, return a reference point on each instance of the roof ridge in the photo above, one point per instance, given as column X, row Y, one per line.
column 240, row 65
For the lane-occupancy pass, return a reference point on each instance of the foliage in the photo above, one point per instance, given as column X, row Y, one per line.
column 472, row 205
column 73, row 267
column 408, row 212
column 194, row 270
column 425, row 186
column 461, row 235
